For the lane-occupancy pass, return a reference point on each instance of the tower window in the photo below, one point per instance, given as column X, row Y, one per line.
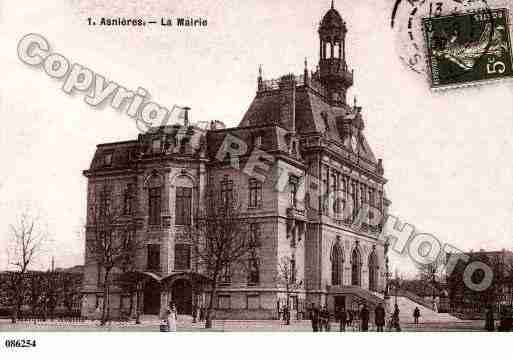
column 294, row 184
column 255, row 193
column 293, row 270
column 226, row 191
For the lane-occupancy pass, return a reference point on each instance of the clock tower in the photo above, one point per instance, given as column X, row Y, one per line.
column 333, row 70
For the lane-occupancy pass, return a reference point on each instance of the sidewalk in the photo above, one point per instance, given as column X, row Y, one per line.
column 186, row 325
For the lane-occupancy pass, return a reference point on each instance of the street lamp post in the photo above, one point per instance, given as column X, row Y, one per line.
column 138, row 305
column 387, row 272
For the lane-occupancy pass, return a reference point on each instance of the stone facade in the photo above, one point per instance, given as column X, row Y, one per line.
column 305, row 147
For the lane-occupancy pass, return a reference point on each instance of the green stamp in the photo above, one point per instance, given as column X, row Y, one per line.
column 468, row 48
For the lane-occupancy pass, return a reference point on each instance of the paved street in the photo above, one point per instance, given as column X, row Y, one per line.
column 186, row 325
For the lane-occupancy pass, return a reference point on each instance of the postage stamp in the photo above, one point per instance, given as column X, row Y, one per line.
column 468, row 48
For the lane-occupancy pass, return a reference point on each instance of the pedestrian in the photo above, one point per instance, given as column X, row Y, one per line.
column 379, row 317
column 416, row 315
column 364, row 317
column 314, row 317
column 489, row 319
column 201, row 313
column 286, row 315
column 342, row 317
column 349, row 319
column 395, row 318
column 172, row 317
column 323, row 319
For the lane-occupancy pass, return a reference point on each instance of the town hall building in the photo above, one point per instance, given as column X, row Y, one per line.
column 308, row 206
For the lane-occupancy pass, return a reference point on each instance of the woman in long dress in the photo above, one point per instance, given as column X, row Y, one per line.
column 171, row 317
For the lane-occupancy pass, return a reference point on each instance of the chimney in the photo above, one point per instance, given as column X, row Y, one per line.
column 186, row 117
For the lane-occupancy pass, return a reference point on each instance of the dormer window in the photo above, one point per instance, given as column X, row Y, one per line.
column 107, row 159
column 258, row 141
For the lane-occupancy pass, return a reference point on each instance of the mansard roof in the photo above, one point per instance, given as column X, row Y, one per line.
column 268, row 137
column 313, row 116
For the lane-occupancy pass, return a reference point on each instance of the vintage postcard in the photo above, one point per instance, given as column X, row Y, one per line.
column 256, row 166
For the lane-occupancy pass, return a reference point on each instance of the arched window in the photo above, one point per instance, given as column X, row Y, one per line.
column 356, row 267
column 337, row 265
column 373, row 272
column 328, row 50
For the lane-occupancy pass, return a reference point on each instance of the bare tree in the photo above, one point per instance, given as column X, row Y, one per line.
column 288, row 279
column 28, row 236
column 221, row 239
column 433, row 273
column 110, row 239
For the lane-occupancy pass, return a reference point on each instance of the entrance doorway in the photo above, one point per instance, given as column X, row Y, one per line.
column 151, row 303
column 181, row 294
column 340, row 303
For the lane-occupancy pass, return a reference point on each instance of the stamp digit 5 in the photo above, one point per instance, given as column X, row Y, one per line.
column 468, row 48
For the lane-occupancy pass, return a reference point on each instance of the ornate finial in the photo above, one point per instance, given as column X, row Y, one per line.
column 355, row 101
column 260, row 70
column 332, row 5
column 306, row 64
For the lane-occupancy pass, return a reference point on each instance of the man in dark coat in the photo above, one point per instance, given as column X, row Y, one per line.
column 489, row 319
column 325, row 319
column 379, row 317
column 364, row 317
column 314, row 317
column 342, row 317
column 395, row 318
column 416, row 315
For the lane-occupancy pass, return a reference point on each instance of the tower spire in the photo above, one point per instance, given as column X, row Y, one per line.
column 332, row 4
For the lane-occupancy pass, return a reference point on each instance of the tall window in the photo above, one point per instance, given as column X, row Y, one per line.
column 372, row 197
column 226, row 191
column 337, row 262
column 325, row 173
column 183, row 205
column 292, row 270
column 128, row 197
column 356, row 267
column 255, row 193
column 182, row 256
column 373, row 272
column 153, row 261
column 335, row 186
column 154, row 205
column 104, row 203
column 294, row 185
column 354, row 197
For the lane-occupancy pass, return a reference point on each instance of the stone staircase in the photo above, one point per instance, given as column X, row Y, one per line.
column 427, row 315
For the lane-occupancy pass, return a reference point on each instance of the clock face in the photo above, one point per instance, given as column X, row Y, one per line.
column 354, row 143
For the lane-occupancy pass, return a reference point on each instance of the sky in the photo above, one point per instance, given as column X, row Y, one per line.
column 447, row 155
